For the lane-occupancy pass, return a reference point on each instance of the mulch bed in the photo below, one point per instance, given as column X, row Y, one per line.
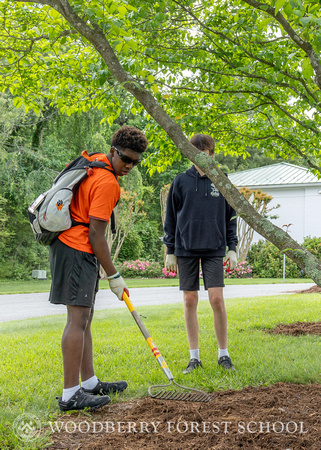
column 283, row 416
column 312, row 290
column 297, row 328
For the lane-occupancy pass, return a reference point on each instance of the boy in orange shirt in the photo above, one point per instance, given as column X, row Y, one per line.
column 74, row 263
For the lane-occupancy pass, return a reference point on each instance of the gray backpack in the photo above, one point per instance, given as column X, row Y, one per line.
column 49, row 214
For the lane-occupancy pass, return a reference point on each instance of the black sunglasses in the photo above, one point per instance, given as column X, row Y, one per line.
column 126, row 159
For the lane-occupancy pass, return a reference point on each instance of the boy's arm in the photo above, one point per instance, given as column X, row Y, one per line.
column 231, row 228
column 97, row 229
column 231, row 237
column 170, row 222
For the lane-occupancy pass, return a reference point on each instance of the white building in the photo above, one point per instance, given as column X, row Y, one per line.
column 297, row 191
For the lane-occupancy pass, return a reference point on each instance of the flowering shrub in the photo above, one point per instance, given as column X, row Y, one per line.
column 243, row 270
column 167, row 274
column 138, row 268
column 144, row 269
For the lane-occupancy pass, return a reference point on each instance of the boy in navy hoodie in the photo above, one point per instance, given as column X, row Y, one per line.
column 199, row 225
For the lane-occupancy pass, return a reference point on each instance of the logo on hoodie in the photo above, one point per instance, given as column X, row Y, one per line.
column 214, row 191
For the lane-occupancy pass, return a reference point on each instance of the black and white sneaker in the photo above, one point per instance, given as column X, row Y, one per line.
column 82, row 400
column 105, row 388
column 226, row 363
column 192, row 365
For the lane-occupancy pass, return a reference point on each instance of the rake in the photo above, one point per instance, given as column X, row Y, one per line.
column 193, row 395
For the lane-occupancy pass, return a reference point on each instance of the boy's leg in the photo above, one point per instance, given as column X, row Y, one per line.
column 191, row 321
column 220, row 316
column 73, row 343
column 188, row 268
column 87, row 365
column 74, row 283
column 73, row 349
column 214, row 282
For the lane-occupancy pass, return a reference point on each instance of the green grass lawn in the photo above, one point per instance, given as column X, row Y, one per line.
column 31, row 286
column 31, row 364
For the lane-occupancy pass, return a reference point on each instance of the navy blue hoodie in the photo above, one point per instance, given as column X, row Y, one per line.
column 199, row 221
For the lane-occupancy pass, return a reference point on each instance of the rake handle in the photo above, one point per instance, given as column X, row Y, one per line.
column 161, row 361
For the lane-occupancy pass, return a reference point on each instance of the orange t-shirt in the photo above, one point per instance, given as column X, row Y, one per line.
column 95, row 198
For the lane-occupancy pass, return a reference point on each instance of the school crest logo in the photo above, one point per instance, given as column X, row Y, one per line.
column 59, row 204
column 214, row 191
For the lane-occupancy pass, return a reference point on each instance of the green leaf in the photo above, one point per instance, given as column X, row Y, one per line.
column 278, row 5
column 119, row 47
column 288, row 9
column 297, row 13
column 17, row 102
column 155, row 88
column 305, row 20
column 307, row 69
column 122, row 10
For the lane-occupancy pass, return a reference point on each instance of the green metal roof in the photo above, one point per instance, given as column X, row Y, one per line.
column 279, row 174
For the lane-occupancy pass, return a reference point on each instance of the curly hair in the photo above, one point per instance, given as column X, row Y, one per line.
column 130, row 137
column 203, row 142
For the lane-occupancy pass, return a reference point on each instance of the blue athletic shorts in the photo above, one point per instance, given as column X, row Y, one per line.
column 189, row 272
column 74, row 275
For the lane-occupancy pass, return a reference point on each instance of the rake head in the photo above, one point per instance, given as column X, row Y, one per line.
column 193, row 395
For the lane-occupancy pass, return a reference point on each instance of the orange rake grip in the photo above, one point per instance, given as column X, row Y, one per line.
column 161, row 361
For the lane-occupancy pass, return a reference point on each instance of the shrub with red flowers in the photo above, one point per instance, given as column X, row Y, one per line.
column 168, row 274
column 144, row 269
column 138, row 268
column 243, row 270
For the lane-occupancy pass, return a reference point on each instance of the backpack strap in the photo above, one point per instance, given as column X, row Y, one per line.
column 75, row 224
column 112, row 223
column 111, row 171
column 101, row 165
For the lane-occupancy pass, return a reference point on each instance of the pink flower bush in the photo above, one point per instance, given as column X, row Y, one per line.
column 151, row 269
column 243, row 270
column 138, row 268
column 167, row 274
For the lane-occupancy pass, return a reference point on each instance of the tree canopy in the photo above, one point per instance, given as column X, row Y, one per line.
column 246, row 72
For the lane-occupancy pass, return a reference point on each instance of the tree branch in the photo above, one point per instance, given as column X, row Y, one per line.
column 303, row 45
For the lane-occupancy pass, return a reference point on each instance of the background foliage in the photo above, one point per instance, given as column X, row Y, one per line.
column 266, row 260
column 33, row 149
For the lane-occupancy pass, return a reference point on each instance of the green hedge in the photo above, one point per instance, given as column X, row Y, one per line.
column 266, row 259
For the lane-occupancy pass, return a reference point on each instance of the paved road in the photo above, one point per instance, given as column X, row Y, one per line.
column 24, row 306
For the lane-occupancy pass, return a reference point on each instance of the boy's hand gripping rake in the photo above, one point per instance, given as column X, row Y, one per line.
column 194, row 396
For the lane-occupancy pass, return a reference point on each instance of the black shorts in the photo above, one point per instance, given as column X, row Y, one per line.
column 189, row 272
column 74, row 274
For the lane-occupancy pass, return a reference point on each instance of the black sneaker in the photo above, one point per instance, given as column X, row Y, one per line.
column 82, row 400
column 226, row 363
column 192, row 365
column 104, row 388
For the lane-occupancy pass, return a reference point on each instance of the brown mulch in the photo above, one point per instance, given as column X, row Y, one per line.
column 312, row 290
column 297, row 328
column 283, row 416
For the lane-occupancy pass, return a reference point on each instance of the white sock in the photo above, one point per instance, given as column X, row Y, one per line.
column 68, row 393
column 90, row 383
column 195, row 354
column 222, row 352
